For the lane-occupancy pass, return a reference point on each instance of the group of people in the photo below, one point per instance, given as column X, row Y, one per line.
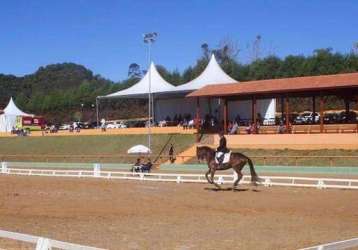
column 20, row 131
column 139, row 166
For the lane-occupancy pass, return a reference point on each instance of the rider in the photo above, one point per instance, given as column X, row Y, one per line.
column 222, row 148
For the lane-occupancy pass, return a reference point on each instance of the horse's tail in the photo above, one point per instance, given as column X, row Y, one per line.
column 254, row 177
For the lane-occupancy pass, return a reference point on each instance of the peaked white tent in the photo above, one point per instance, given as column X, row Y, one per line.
column 212, row 74
column 141, row 88
column 8, row 118
column 170, row 100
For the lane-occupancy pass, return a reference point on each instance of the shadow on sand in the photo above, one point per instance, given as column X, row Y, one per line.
column 230, row 189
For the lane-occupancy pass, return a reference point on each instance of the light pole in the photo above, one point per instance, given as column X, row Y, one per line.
column 81, row 112
column 149, row 38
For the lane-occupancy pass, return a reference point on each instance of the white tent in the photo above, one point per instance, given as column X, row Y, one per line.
column 141, row 88
column 170, row 100
column 8, row 118
column 212, row 74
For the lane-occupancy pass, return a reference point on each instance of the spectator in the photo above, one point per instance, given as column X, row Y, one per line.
column 103, row 125
column 281, row 128
column 234, row 129
column 171, row 153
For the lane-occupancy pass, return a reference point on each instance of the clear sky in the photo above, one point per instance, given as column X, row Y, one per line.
column 106, row 36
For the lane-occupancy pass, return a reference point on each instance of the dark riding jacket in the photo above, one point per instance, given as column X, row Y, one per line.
column 222, row 145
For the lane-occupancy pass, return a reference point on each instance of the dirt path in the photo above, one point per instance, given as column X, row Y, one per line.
column 144, row 215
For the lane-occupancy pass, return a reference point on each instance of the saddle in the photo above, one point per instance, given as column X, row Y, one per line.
column 226, row 157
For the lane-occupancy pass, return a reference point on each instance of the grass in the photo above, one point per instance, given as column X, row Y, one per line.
column 91, row 146
column 115, row 146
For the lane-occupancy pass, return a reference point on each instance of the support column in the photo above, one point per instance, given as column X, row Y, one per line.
column 314, row 109
column 346, row 103
column 282, row 107
column 197, row 118
column 225, row 116
column 253, row 109
column 321, row 109
column 287, row 113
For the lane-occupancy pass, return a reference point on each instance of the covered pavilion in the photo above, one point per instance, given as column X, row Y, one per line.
column 342, row 85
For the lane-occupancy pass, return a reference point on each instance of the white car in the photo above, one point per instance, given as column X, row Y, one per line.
column 64, row 127
column 306, row 117
column 116, row 125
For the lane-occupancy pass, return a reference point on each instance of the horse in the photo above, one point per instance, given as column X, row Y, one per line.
column 237, row 162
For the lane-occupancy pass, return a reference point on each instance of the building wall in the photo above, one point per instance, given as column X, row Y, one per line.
column 182, row 106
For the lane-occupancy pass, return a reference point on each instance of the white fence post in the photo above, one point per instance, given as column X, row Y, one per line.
column 4, row 167
column 97, row 170
column 178, row 179
column 321, row 184
column 267, row 182
column 43, row 244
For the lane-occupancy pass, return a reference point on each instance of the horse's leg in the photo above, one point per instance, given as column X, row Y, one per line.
column 212, row 178
column 207, row 176
column 239, row 176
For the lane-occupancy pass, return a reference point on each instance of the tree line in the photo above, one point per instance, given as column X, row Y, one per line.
column 67, row 91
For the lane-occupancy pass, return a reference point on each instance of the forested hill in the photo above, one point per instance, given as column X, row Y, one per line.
column 58, row 90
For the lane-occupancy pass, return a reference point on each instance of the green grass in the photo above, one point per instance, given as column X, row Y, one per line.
column 91, row 146
column 115, row 146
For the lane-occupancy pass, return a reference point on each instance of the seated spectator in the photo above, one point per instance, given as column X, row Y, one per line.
column 137, row 167
column 234, row 129
column 147, row 167
column 191, row 124
column 281, row 128
column 251, row 129
column 229, row 127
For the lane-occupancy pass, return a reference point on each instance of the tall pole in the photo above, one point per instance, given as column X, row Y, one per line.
column 149, row 96
column 150, row 38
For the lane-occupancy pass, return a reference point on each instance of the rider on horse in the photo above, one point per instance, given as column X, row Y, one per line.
column 222, row 148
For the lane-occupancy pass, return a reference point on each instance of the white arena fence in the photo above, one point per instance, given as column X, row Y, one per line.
column 287, row 181
column 42, row 243
column 344, row 244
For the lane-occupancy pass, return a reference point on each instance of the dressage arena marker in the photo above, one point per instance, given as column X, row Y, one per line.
column 44, row 243
column 268, row 181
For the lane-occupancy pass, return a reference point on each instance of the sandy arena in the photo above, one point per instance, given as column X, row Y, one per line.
column 117, row 214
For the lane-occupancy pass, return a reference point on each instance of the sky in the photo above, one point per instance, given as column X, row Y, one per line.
column 107, row 36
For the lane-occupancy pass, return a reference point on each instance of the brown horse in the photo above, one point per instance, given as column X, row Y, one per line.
column 237, row 162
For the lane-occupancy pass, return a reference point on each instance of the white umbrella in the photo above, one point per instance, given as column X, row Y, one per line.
column 139, row 149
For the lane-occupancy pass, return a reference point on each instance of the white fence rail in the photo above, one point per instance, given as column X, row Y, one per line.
column 335, row 245
column 287, row 181
column 44, row 243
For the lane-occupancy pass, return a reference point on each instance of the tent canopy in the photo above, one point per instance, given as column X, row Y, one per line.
column 13, row 110
column 141, row 88
column 213, row 74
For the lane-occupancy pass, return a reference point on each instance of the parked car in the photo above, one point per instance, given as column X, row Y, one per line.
column 306, row 117
column 116, row 125
column 331, row 118
column 352, row 117
column 64, row 127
